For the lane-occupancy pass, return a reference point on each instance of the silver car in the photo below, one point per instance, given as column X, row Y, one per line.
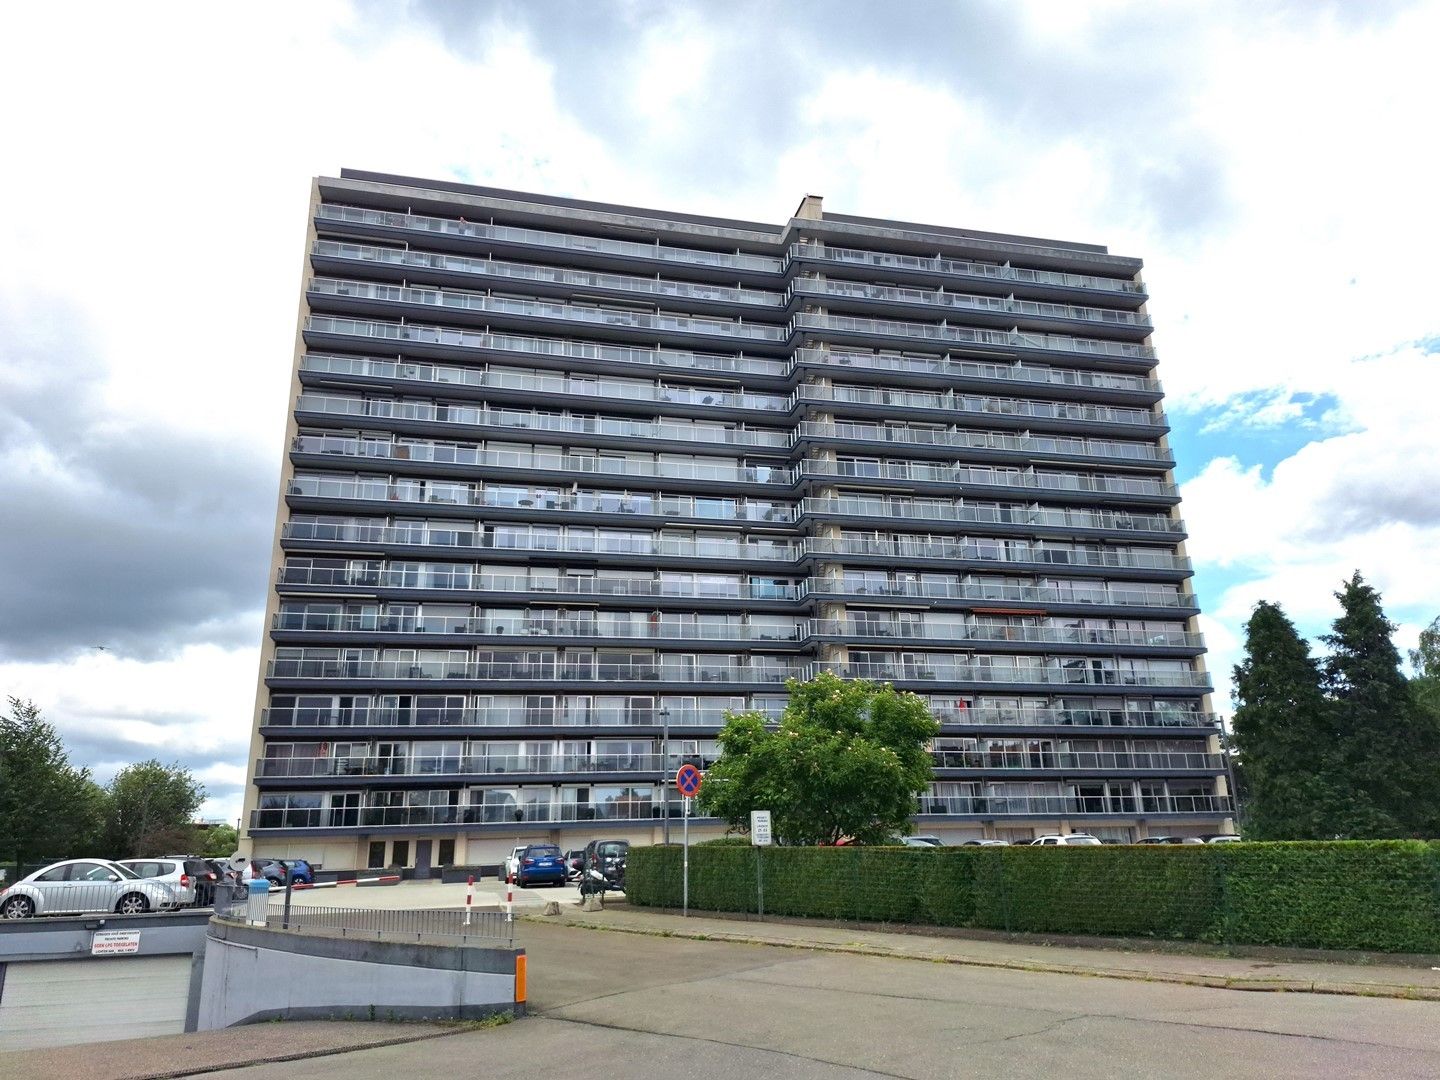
column 84, row 886
column 171, row 872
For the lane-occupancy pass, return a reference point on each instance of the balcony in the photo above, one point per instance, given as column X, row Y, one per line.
column 1052, row 484
column 1006, row 276
column 590, row 389
column 420, row 765
column 943, row 549
column 1076, row 761
column 1170, row 719
column 369, row 818
column 1003, row 310
column 1140, row 386
column 958, row 631
column 948, row 407
column 1006, row 343
column 582, row 716
column 442, row 340
column 569, row 243
column 476, row 307
column 541, row 624
column 1019, row 518
column 961, row 440
column 937, row 669
column 1052, row 806
column 669, row 669
column 489, row 271
column 461, row 580
column 1100, row 595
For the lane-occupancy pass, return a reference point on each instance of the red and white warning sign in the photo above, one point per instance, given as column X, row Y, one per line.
column 115, row 942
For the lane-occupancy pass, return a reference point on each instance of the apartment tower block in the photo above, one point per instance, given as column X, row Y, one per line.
column 567, row 481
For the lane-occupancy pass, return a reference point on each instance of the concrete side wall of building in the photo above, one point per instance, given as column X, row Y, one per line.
column 254, row 974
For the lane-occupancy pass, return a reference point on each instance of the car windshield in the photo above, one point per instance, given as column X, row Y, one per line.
column 542, row 852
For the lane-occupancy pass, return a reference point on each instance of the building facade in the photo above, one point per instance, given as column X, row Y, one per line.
column 565, row 479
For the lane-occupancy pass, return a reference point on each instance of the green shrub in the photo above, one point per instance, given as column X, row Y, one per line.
column 1374, row 895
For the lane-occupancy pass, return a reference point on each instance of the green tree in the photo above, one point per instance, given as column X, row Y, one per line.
column 48, row 808
column 1390, row 748
column 218, row 842
column 1425, row 682
column 849, row 760
column 1282, row 733
column 150, row 811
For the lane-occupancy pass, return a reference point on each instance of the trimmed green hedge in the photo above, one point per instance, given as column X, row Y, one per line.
column 1381, row 895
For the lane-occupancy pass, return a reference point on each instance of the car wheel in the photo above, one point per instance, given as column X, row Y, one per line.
column 132, row 904
column 17, row 907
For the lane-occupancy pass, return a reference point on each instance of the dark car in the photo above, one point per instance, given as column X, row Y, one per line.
column 1158, row 840
column 608, row 857
column 540, row 863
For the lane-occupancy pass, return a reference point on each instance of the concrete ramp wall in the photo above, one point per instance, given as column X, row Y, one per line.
column 264, row 973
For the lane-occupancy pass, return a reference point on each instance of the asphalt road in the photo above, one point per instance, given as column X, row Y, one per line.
column 619, row 1006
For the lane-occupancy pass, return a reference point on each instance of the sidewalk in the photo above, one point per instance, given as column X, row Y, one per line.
column 1226, row 972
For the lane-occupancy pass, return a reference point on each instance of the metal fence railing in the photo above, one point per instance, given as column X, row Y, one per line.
column 457, row 925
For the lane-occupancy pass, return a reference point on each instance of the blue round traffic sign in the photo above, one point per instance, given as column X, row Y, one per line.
column 687, row 781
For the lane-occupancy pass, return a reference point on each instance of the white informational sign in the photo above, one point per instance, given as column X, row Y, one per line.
column 760, row 828
column 115, row 942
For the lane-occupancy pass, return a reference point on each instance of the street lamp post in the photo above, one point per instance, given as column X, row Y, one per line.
column 664, row 779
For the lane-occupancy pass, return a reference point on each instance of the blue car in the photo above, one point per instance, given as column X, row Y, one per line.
column 541, row 863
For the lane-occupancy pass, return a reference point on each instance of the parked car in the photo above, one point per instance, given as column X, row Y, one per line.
column 172, row 871
column 274, row 870
column 986, row 843
column 921, row 841
column 540, row 863
column 574, row 864
column 511, row 863
column 1074, row 839
column 608, row 857
column 84, row 886
column 1222, row 838
column 1158, row 840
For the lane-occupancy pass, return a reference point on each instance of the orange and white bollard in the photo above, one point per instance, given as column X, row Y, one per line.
column 469, row 897
column 509, row 900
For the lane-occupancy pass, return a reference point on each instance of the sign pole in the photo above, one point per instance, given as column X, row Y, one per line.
column 760, row 837
column 685, row 910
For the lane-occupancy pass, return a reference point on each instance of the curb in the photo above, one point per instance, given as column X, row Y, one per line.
column 1215, row 982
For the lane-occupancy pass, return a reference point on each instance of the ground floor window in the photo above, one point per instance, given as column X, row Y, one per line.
column 400, row 853
column 447, row 852
column 376, row 858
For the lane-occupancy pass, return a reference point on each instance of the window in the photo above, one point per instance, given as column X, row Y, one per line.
column 400, row 853
column 447, row 853
column 375, row 860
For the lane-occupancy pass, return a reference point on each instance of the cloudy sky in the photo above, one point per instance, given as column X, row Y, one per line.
column 1273, row 163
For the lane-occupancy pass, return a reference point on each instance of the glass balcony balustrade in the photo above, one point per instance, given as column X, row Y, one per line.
column 568, row 242
column 482, row 342
column 1071, row 805
column 959, row 630
column 973, row 476
column 803, row 322
column 940, row 669
column 962, row 439
column 457, row 301
column 670, row 668
column 582, row 713
column 599, row 388
column 1077, row 760
column 477, row 763
column 521, row 420
column 902, row 507
column 968, row 550
column 539, row 624
column 1003, row 306
column 950, row 367
column 885, row 260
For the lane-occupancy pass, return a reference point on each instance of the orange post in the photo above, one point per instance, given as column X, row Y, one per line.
column 520, row 979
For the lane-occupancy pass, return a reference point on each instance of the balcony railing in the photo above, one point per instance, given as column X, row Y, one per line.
column 505, row 497
column 473, row 764
column 531, row 272
column 1071, row 805
column 538, row 460
column 1077, row 760
column 518, row 420
column 767, row 264
column 373, row 817
column 888, row 509
column 454, row 300
column 581, row 715
column 463, row 580
column 370, row 330
column 938, row 670
column 1100, row 595
column 582, row 625
column 672, row 669
column 972, row 476
column 595, row 387
column 965, row 268
column 961, row 631
column 990, row 305
column 892, row 434
column 836, row 357
column 973, row 405
column 967, row 335
column 1047, row 718
column 968, row 550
